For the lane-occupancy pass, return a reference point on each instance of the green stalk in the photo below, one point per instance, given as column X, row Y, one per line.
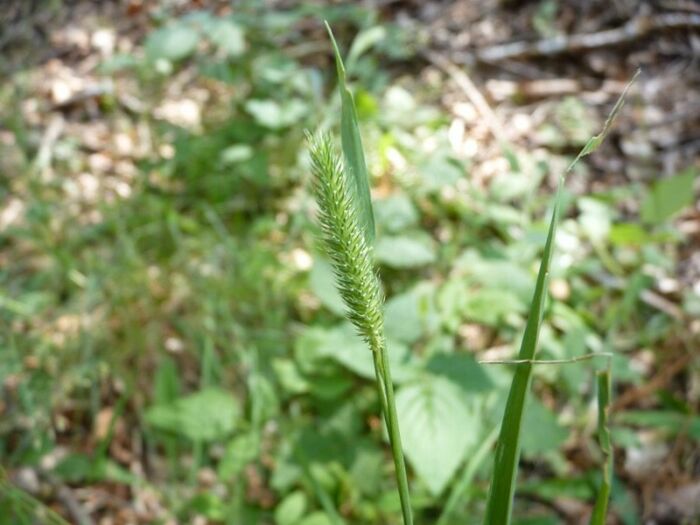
column 351, row 258
column 500, row 503
column 392, row 423
column 600, row 509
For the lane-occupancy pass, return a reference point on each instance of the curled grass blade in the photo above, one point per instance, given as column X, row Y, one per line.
column 353, row 153
column 500, row 503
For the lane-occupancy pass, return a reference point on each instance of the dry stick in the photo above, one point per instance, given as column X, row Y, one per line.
column 655, row 383
column 471, row 91
column 635, row 29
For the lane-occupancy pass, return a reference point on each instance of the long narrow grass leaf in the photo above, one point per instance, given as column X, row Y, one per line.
column 500, row 502
column 600, row 509
column 498, row 511
column 352, row 147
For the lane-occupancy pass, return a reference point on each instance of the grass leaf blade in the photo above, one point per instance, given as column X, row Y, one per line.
column 502, row 489
column 352, row 147
column 600, row 509
column 500, row 502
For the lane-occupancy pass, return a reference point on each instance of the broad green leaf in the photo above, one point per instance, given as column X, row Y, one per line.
column 462, row 370
column 439, row 172
column 228, row 37
column 437, row 429
column 668, row 196
column 172, row 42
column 317, row 518
column 490, row 306
column 551, row 489
column 541, row 431
column 628, row 234
column 601, row 503
column 395, row 213
column 410, row 315
column 347, row 348
column 404, row 251
column 207, row 415
column 209, row 505
column 496, row 272
column 366, row 470
column 500, row 501
column 322, row 283
column 276, row 115
column 291, row 509
column 240, row 451
column 352, row 147
column 289, row 376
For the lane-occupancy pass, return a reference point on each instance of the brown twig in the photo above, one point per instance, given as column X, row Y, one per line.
column 662, row 378
column 471, row 91
column 635, row 29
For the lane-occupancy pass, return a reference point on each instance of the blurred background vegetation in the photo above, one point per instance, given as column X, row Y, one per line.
column 172, row 348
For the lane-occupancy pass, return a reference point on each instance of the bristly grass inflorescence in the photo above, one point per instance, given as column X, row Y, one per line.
column 345, row 242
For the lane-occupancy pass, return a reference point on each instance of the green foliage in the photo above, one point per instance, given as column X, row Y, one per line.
column 438, row 428
column 668, row 196
column 207, row 415
column 192, row 324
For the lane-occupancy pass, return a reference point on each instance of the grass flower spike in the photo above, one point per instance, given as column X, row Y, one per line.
column 356, row 277
column 345, row 243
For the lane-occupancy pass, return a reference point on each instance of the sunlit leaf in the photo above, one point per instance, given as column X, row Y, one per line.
column 405, row 251
column 172, row 42
column 203, row 416
column 437, row 429
column 353, row 153
column 668, row 196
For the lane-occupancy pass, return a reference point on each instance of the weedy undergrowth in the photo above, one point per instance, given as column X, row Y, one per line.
column 347, row 227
